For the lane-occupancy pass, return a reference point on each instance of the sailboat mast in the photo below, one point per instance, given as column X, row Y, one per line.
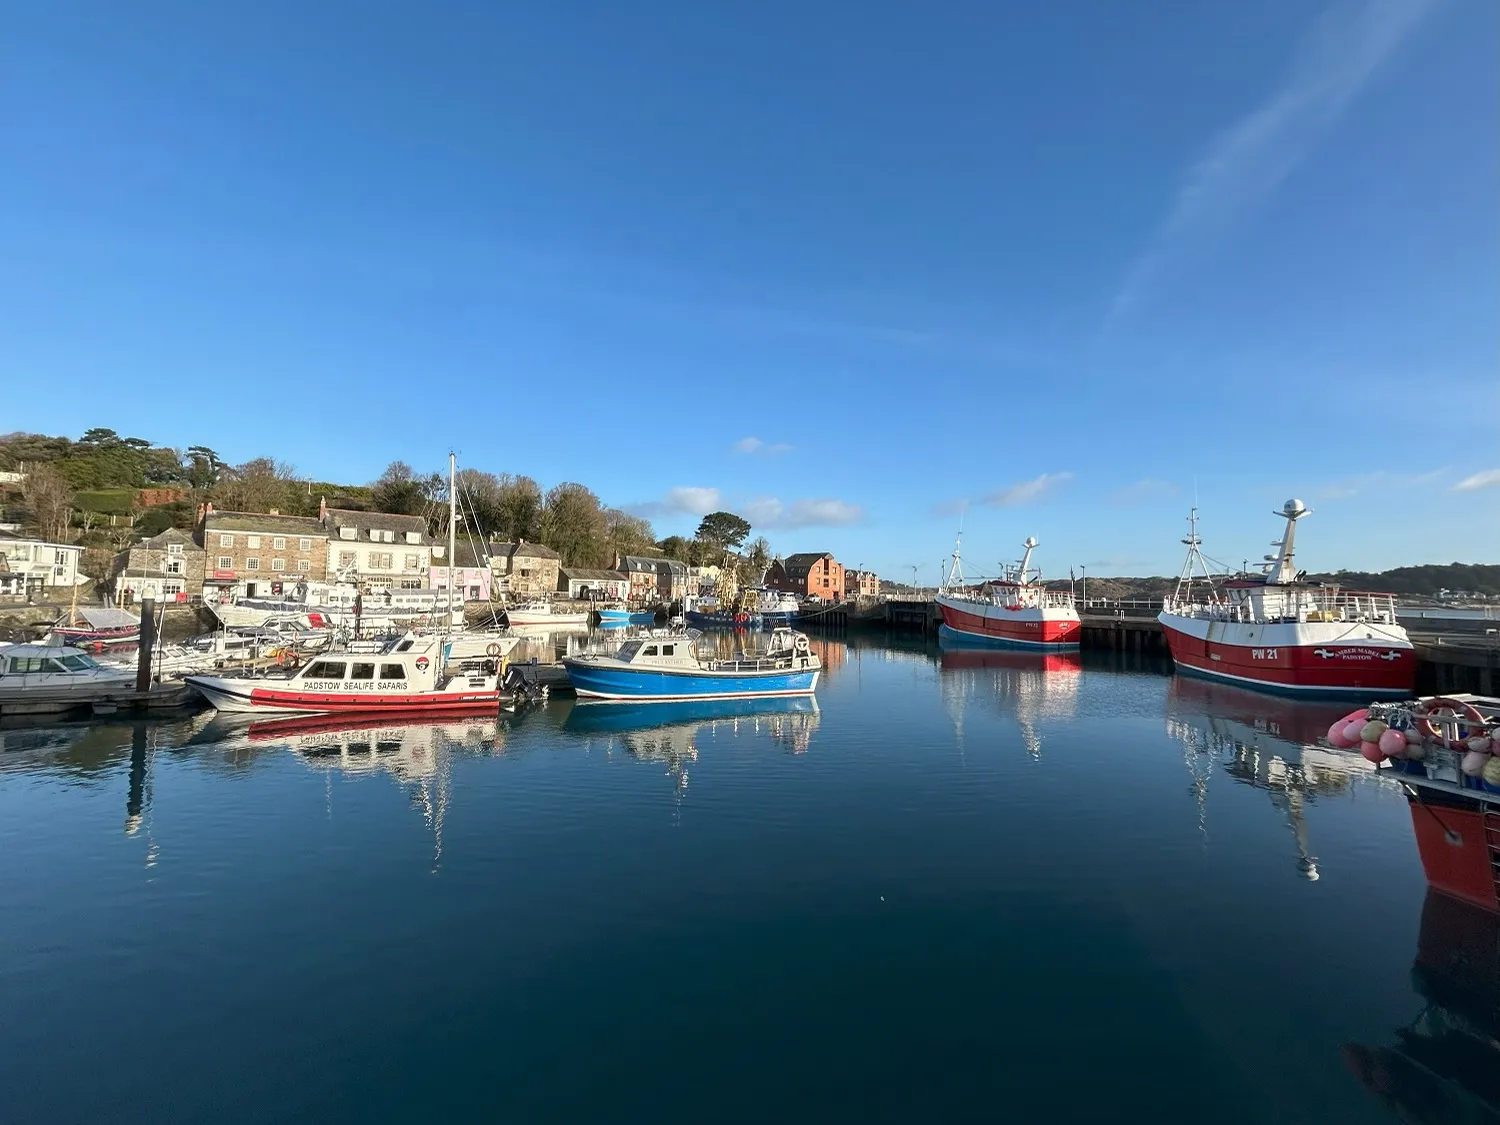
column 452, row 530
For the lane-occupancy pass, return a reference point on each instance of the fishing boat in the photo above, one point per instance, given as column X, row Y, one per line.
column 612, row 615
column 541, row 611
column 96, row 628
column 410, row 676
column 1277, row 631
column 776, row 607
column 664, row 665
column 1015, row 610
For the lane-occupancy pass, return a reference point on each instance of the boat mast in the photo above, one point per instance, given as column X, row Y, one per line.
column 1193, row 562
column 955, row 577
column 452, row 532
column 1282, row 570
column 1030, row 546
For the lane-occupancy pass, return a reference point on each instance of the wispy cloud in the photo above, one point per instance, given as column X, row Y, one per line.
column 769, row 513
column 749, row 445
column 684, row 500
column 1144, row 492
column 1378, row 481
column 1332, row 64
column 1024, row 492
column 1487, row 479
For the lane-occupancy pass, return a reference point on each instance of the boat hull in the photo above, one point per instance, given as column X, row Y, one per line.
column 259, row 697
column 517, row 617
column 977, row 623
column 1303, row 658
column 592, row 681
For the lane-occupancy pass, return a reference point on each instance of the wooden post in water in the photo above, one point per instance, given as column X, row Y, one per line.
column 148, row 645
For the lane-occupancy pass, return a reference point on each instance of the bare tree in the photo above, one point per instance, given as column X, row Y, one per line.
column 49, row 500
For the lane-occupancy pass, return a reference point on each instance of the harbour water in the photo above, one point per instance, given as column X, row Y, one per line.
column 962, row 886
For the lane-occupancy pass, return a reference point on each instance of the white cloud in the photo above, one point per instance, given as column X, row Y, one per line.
column 1331, row 66
column 750, row 445
column 684, row 500
column 1144, row 491
column 1378, row 481
column 1487, row 479
column 769, row 513
column 1025, row 492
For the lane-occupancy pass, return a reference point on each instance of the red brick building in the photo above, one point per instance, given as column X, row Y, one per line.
column 811, row 574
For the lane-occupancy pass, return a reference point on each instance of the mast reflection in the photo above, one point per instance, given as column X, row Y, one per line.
column 1445, row 1065
column 1028, row 686
column 1264, row 741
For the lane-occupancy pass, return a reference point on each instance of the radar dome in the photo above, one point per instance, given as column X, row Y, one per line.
column 1293, row 508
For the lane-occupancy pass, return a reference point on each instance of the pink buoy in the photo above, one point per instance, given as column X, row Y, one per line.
column 1473, row 763
column 1371, row 752
column 1336, row 736
column 1393, row 744
column 1352, row 730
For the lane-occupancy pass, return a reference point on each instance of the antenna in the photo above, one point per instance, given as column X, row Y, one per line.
column 1194, row 567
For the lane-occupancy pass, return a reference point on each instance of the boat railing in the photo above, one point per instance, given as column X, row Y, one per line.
column 758, row 663
column 1274, row 604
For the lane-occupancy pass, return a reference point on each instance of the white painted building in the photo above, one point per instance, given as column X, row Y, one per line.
column 41, row 565
column 379, row 549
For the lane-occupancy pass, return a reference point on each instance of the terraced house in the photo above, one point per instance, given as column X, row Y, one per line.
column 378, row 549
column 166, row 567
column 260, row 554
column 809, row 574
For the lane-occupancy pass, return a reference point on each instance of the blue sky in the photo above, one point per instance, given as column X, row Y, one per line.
column 850, row 269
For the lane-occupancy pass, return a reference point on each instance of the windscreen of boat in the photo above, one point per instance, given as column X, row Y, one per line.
column 79, row 663
column 628, row 650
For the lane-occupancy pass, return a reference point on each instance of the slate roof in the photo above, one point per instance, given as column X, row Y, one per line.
column 362, row 522
column 309, row 526
column 585, row 574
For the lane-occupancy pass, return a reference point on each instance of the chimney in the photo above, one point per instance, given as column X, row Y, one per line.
column 323, row 508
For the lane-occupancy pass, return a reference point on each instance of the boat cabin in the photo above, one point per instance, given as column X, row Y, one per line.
column 677, row 649
column 1249, row 600
column 52, row 665
column 409, row 664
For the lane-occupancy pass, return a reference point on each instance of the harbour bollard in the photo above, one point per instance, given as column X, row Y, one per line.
column 148, row 645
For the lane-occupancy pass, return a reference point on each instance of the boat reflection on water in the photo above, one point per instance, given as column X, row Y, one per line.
column 674, row 733
column 1264, row 741
column 1445, row 1065
column 1028, row 685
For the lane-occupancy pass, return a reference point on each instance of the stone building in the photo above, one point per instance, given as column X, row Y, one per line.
column 260, row 554
column 524, row 570
column 167, row 567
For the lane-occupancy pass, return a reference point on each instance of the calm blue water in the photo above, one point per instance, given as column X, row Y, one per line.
column 968, row 887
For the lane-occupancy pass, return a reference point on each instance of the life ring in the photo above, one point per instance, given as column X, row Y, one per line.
column 1457, row 709
column 800, row 644
column 492, row 649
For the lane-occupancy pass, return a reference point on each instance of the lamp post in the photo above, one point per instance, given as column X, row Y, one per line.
column 1083, row 567
column 914, row 580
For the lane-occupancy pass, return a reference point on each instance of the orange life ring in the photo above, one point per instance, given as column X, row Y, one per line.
column 1458, row 709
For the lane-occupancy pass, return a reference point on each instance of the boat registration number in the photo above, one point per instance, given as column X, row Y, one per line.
column 1263, row 653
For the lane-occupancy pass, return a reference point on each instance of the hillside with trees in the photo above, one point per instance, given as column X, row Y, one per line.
column 107, row 491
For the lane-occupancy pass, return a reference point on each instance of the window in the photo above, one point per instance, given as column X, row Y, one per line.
column 347, row 532
column 304, row 544
column 325, row 670
column 226, row 540
column 346, row 558
column 278, row 543
column 413, row 562
column 253, row 542
column 362, row 672
column 414, row 537
column 304, row 565
column 382, row 560
column 174, row 548
column 393, row 671
column 667, row 650
column 278, row 564
column 252, row 564
column 173, row 566
column 224, row 562
column 650, row 651
column 172, row 588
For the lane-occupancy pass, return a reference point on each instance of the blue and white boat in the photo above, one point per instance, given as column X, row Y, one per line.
column 776, row 607
column 619, row 615
column 665, row 666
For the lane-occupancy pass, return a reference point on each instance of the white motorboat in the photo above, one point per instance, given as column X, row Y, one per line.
column 542, row 612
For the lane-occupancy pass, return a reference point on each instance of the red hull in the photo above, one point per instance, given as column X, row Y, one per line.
column 1456, row 852
column 1017, row 627
column 1299, row 668
column 343, row 703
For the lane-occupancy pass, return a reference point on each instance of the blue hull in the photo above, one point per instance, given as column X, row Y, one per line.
column 624, row 617
column 721, row 621
column 650, row 685
column 953, row 638
column 605, row 717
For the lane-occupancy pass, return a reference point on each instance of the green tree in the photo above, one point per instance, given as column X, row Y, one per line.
column 203, row 467
column 518, row 509
column 573, row 525
column 99, row 436
column 399, row 492
column 723, row 529
column 676, row 547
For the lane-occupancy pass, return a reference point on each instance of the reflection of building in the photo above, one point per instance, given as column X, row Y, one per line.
column 1263, row 740
column 1028, row 686
column 1445, row 1065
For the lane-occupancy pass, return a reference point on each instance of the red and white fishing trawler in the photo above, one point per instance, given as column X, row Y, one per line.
column 1277, row 631
column 1014, row 610
column 410, row 677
